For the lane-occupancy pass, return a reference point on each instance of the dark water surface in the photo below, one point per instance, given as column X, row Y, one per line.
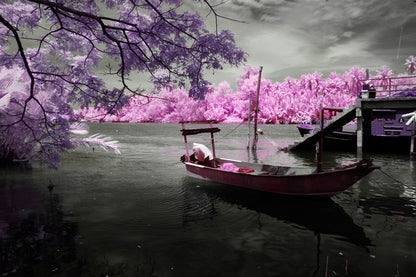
column 138, row 214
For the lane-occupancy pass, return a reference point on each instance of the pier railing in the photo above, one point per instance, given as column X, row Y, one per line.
column 391, row 86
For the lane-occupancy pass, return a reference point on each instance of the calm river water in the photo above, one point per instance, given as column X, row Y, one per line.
column 138, row 214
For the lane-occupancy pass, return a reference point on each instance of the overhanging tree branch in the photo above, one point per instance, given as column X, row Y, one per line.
column 72, row 38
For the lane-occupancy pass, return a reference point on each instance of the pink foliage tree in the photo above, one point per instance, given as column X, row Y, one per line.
column 26, row 136
column 292, row 101
column 28, row 139
column 57, row 47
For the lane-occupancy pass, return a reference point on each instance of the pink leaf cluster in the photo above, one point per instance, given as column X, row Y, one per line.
column 58, row 49
column 44, row 130
column 291, row 101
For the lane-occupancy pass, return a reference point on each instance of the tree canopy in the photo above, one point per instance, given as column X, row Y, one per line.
column 59, row 44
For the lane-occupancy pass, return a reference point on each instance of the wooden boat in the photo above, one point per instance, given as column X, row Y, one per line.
column 305, row 129
column 274, row 179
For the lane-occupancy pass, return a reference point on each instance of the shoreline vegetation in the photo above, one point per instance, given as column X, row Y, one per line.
column 293, row 101
column 289, row 102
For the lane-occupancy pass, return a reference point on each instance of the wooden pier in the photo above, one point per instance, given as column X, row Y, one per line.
column 385, row 121
column 364, row 139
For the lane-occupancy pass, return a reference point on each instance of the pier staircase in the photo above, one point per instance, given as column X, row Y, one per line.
column 335, row 123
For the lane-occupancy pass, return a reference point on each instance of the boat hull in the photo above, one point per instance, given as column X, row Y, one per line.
column 326, row 183
column 305, row 129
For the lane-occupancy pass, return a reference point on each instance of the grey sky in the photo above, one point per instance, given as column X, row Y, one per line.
column 296, row 37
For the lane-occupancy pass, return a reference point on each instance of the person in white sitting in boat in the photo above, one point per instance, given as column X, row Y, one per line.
column 202, row 155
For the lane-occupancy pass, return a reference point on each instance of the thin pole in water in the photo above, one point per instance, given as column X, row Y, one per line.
column 256, row 111
column 249, row 121
column 213, row 146
column 320, row 152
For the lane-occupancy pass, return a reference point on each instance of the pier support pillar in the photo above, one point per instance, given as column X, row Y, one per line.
column 358, row 115
column 363, row 127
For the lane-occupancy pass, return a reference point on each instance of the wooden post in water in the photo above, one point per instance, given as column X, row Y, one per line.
column 320, row 150
column 249, row 121
column 359, row 116
column 320, row 153
column 213, row 146
column 256, row 111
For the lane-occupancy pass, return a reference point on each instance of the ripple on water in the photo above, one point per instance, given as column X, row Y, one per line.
column 142, row 203
column 203, row 202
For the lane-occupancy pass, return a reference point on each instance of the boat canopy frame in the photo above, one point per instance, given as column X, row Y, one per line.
column 196, row 131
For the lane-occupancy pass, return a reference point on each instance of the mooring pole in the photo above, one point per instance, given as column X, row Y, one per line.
column 320, row 152
column 213, row 146
column 249, row 121
column 320, row 144
column 256, row 111
column 360, row 123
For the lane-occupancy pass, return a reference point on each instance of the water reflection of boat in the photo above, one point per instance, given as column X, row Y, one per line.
column 322, row 216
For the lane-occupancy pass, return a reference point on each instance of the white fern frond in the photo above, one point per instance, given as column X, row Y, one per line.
column 106, row 143
column 79, row 128
column 4, row 101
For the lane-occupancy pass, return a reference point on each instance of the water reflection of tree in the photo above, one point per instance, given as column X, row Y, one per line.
column 40, row 244
column 46, row 243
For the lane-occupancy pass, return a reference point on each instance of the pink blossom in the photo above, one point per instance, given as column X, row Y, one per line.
column 289, row 102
